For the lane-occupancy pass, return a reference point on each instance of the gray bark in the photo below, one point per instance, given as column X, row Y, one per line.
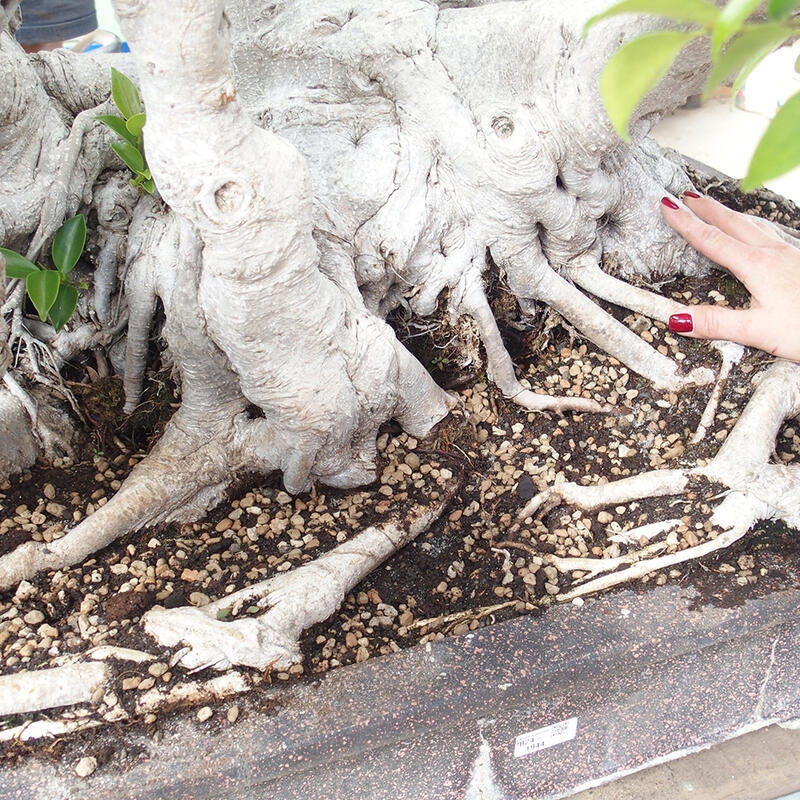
column 320, row 164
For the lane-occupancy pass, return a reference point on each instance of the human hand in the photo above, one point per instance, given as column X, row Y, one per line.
column 768, row 267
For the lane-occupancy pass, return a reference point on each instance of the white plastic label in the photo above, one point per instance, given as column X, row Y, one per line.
column 541, row 739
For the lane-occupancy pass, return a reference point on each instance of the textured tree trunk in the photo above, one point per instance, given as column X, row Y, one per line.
column 320, row 163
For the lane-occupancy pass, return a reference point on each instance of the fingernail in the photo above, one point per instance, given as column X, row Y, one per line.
column 681, row 323
column 693, row 195
column 666, row 201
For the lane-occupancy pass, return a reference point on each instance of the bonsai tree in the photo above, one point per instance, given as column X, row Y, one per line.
column 317, row 165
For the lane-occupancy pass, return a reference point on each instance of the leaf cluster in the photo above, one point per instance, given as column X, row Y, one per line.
column 129, row 127
column 50, row 290
column 737, row 45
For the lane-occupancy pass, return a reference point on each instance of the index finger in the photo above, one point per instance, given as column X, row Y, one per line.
column 745, row 228
column 733, row 254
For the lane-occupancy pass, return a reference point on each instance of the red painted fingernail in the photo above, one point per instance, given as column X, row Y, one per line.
column 666, row 201
column 681, row 323
column 693, row 195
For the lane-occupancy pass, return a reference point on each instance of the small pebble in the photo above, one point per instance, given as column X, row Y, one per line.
column 86, row 766
column 34, row 617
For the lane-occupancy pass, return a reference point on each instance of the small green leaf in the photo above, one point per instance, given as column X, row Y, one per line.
column 135, row 125
column 131, row 155
column 17, row 266
column 797, row 64
column 118, row 125
column 43, row 286
column 699, row 11
column 781, row 9
column 68, row 244
column 64, row 306
column 730, row 22
column 779, row 148
column 635, row 69
column 125, row 94
column 745, row 51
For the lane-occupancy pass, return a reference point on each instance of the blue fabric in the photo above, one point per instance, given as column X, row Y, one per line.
column 55, row 20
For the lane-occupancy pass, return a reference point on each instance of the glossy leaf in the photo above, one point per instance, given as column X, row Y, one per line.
column 635, row 69
column 779, row 148
column 745, row 51
column 698, row 11
column 64, row 305
column 43, row 286
column 130, row 155
column 125, row 94
column 730, row 21
column 144, row 181
column 68, row 243
column 17, row 266
column 780, row 9
column 135, row 125
column 118, row 125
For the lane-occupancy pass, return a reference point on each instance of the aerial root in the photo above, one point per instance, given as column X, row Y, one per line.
column 472, row 301
column 589, row 276
column 615, row 338
column 731, row 355
column 293, row 601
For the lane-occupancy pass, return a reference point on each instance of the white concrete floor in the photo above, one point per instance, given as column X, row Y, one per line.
column 762, row 765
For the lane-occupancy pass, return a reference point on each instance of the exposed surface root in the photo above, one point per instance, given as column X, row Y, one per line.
column 294, row 601
column 181, row 479
column 26, row 691
column 757, row 490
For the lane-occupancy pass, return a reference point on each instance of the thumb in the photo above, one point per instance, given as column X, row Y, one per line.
column 714, row 322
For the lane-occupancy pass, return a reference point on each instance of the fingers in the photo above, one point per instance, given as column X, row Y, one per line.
column 744, row 228
column 717, row 322
column 728, row 251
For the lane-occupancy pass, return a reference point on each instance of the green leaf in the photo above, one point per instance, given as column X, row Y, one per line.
column 17, row 266
column 797, row 64
column 780, row 9
column 699, row 11
column 43, row 286
column 745, row 51
column 125, row 94
column 118, row 125
column 779, row 148
column 64, row 306
column 131, row 155
column 635, row 69
column 730, row 22
column 68, row 244
column 135, row 125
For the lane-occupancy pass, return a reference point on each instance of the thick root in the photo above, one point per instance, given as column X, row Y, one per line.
column 180, row 480
column 294, row 601
column 26, row 691
column 758, row 490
